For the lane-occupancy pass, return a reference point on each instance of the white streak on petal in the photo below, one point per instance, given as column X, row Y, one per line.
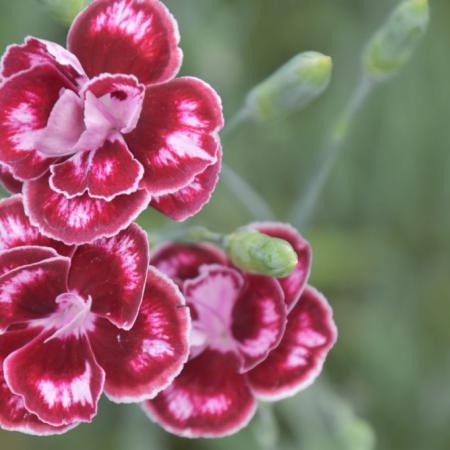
column 16, row 283
column 67, row 393
column 122, row 17
column 157, row 348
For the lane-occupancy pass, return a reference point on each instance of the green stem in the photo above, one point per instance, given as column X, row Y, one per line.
column 236, row 121
column 266, row 428
column 190, row 235
column 236, row 184
column 303, row 209
column 248, row 196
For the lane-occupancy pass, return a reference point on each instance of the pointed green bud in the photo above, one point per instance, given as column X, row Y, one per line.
column 292, row 87
column 392, row 45
column 258, row 253
column 65, row 10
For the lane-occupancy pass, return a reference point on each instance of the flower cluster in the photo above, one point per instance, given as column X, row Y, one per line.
column 79, row 321
column 98, row 132
column 89, row 138
column 252, row 337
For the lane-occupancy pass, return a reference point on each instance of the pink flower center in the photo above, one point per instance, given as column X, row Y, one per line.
column 103, row 110
column 212, row 328
column 212, row 297
column 73, row 316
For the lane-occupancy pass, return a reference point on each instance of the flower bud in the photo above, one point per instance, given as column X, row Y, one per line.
column 66, row 10
column 258, row 253
column 393, row 44
column 293, row 86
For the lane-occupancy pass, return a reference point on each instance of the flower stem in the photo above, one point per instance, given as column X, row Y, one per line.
column 236, row 121
column 236, row 184
column 249, row 197
column 189, row 235
column 303, row 209
column 266, row 428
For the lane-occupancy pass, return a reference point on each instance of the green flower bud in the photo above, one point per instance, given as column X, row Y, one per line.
column 258, row 253
column 292, row 87
column 392, row 45
column 65, row 10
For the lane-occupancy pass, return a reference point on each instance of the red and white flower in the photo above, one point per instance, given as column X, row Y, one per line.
column 101, row 130
column 79, row 321
column 252, row 337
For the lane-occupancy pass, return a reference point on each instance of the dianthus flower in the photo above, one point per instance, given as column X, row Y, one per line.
column 100, row 131
column 79, row 321
column 253, row 337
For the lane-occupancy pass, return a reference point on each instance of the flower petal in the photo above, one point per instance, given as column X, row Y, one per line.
column 34, row 52
column 208, row 399
column 16, row 230
column 293, row 284
column 81, row 219
column 22, row 256
column 8, row 181
column 189, row 200
column 112, row 271
column 141, row 362
column 26, row 101
column 59, row 379
column 13, row 414
column 70, row 177
column 183, row 261
column 298, row 360
column 105, row 173
column 122, row 97
column 176, row 136
column 29, row 292
column 259, row 319
column 64, row 127
column 138, row 37
column 212, row 297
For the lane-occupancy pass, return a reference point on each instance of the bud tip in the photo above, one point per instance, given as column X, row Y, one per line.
column 320, row 67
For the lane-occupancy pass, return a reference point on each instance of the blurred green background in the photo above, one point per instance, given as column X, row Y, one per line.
column 381, row 233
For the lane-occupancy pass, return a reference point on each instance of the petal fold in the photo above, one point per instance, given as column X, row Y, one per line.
column 176, row 136
column 64, row 127
column 104, row 173
column 141, row 362
column 35, row 52
column 26, row 101
column 208, row 399
column 16, row 229
column 298, row 360
column 189, row 200
column 138, row 37
column 120, row 97
column 23, row 256
column 81, row 219
column 259, row 319
column 112, row 271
